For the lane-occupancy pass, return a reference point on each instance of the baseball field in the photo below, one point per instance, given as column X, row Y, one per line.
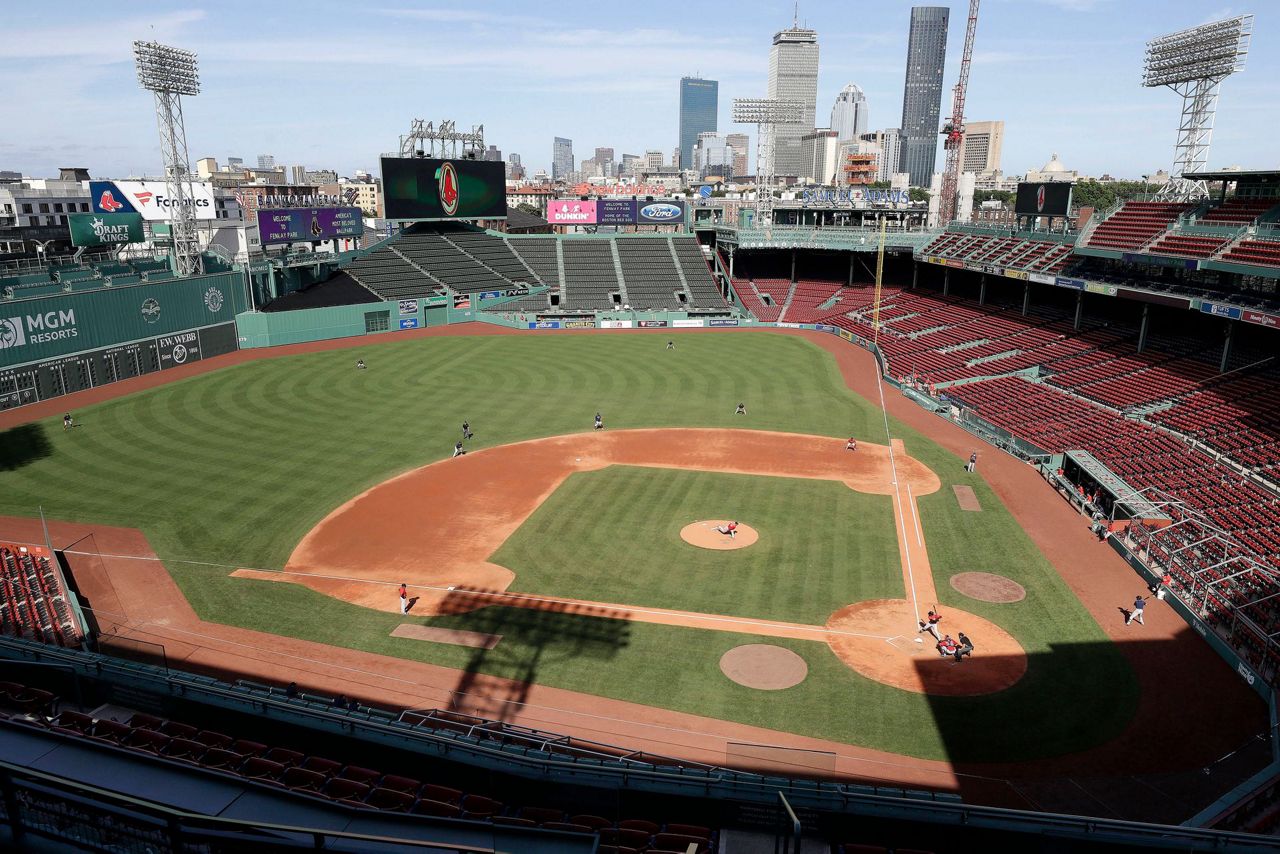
column 291, row 495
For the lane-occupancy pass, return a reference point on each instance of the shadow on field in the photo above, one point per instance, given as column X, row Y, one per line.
column 530, row 637
column 23, row 445
column 1131, row 737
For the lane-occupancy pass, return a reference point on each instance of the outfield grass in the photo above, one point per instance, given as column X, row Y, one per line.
column 232, row 468
column 614, row 536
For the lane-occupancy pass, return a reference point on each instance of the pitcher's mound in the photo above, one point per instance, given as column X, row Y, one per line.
column 764, row 666
column 878, row 639
column 988, row 587
column 705, row 536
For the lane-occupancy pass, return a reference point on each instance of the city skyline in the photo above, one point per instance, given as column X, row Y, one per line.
column 504, row 74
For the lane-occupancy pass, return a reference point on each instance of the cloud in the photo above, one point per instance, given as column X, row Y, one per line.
column 102, row 41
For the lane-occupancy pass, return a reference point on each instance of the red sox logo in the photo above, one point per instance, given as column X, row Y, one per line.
column 447, row 187
column 108, row 202
column 1040, row 198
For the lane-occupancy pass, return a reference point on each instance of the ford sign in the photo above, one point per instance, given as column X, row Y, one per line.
column 662, row 212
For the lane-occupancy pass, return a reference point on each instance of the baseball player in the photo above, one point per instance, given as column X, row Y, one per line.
column 458, row 451
column 404, row 599
column 741, row 410
column 599, row 421
column 360, row 365
column 466, row 430
column 671, row 345
column 731, row 529
column 930, row 623
column 851, row 445
column 1135, row 616
column 68, row 422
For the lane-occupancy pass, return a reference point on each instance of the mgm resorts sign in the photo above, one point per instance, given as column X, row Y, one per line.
column 20, row 330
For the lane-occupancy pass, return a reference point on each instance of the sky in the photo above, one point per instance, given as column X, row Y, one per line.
column 331, row 84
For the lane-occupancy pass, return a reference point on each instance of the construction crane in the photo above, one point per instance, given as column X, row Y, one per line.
column 953, row 130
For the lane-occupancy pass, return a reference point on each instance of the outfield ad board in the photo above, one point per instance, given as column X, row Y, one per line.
column 661, row 213
column 298, row 225
column 152, row 199
column 1051, row 198
column 425, row 188
column 104, row 229
column 616, row 212
column 54, row 377
column 571, row 212
column 49, row 327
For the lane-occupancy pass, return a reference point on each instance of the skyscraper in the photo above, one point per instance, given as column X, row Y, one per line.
column 297, row 175
column 561, row 159
column 739, row 143
column 888, row 150
column 793, row 76
column 980, row 149
column 922, row 92
column 266, row 161
column 699, row 109
column 493, row 153
column 849, row 115
column 653, row 159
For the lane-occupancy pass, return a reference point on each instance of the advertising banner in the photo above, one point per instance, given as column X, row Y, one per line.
column 1219, row 310
column 651, row 324
column 1041, row 278
column 544, row 324
column 418, row 188
column 408, row 323
column 1261, row 318
column 616, row 212
column 408, row 306
column 150, row 198
column 661, row 213
column 615, row 324
column 1106, row 290
column 295, row 225
column 1076, row 284
column 722, row 321
column 579, row 324
column 1048, row 199
column 462, row 300
column 104, row 229
column 688, row 323
column 571, row 212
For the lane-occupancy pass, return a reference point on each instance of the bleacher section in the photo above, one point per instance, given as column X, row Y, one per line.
column 1236, row 211
column 693, row 264
column 33, row 604
column 213, row 754
column 386, row 272
column 1134, row 224
column 1016, row 253
column 495, row 254
column 87, row 274
column 539, row 255
column 1265, row 253
column 1188, row 245
column 589, row 275
column 649, row 271
column 433, row 251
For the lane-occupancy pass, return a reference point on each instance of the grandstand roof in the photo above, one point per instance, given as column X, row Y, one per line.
column 1232, row 174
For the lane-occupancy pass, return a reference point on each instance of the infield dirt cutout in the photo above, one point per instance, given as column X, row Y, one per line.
column 988, row 587
column 704, row 535
column 435, row 527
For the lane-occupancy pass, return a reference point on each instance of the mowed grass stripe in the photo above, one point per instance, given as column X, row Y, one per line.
column 613, row 536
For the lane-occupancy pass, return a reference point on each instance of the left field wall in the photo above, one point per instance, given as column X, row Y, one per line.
column 55, row 345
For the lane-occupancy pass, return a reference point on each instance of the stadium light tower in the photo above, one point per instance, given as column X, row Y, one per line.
column 1194, row 63
column 764, row 113
column 169, row 73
